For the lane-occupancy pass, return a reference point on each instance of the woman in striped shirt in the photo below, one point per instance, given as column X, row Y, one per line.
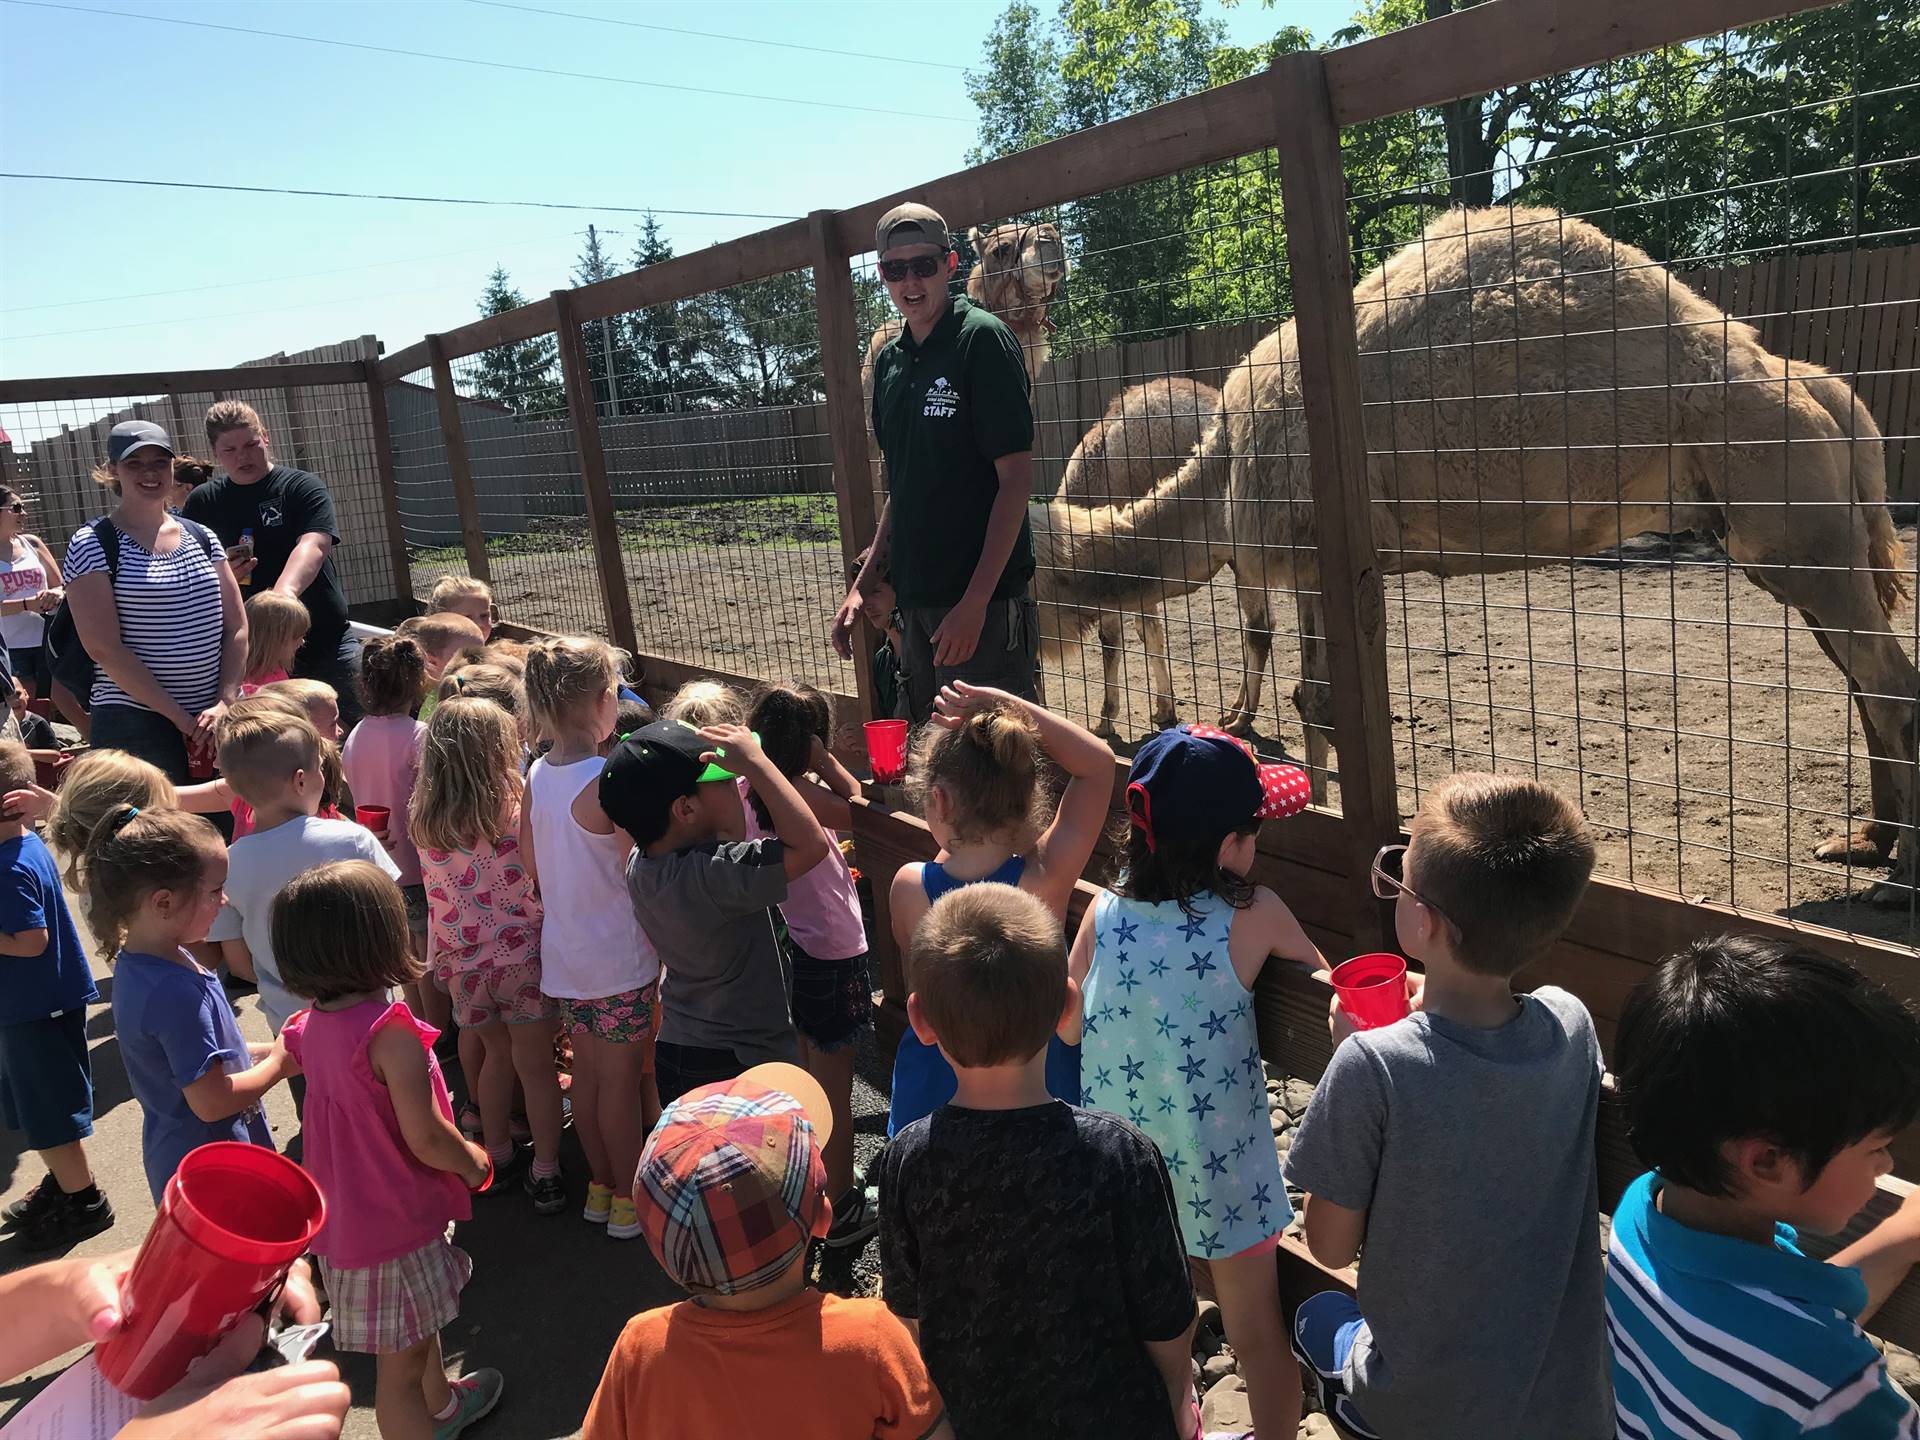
column 164, row 624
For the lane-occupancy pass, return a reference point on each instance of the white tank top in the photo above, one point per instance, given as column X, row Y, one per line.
column 21, row 579
column 590, row 943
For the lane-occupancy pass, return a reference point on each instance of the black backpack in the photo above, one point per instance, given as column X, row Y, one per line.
column 66, row 659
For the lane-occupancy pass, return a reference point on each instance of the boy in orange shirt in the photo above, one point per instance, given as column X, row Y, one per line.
column 730, row 1189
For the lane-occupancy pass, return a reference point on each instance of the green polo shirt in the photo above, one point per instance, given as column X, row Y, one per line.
column 944, row 411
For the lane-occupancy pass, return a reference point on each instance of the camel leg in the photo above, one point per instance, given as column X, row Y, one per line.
column 1844, row 605
column 1111, row 637
column 1153, row 639
column 1871, row 841
column 1256, row 648
column 1313, row 696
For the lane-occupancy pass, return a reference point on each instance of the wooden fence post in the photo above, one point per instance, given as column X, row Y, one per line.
column 840, row 347
column 601, row 523
column 382, row 433
column 458, row 468
column 1314, row 202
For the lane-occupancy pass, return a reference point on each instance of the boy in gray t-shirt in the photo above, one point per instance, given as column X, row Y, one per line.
column 1452, row 1151
column 704, row 902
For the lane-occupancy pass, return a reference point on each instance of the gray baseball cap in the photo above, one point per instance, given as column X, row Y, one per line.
column 131, row 435
column 910, row 224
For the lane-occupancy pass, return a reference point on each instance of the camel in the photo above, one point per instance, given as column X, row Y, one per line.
column 1538, row 391
column 1145, row 432
column 1092, row 566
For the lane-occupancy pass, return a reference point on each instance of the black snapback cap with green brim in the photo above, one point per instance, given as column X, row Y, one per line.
column 651, row 768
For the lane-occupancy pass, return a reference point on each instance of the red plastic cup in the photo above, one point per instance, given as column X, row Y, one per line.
column 1372, row 990
column 232, row 1221
column 374, row 817
column 887, row 750
column 200, row 760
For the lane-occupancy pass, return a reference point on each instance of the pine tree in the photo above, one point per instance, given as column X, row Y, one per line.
column 522, row 375
column 608, row 342
column 669, row 372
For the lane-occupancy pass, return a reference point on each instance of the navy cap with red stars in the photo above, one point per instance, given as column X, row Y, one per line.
column 1198, row 784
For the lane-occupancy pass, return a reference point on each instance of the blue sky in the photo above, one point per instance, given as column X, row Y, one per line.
column 81, row 266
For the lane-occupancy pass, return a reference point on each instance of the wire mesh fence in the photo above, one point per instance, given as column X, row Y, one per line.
column 1630, row 431
column 423, row 483
column 712, row 419
column 57, row 444
column 525, row 465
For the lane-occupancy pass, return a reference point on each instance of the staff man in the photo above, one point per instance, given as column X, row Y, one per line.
column 954, row 419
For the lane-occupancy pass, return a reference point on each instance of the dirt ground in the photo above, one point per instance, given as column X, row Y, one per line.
column 1703, row 731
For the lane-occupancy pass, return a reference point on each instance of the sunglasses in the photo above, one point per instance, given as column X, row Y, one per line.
column 922, row 267
column 1389, row 877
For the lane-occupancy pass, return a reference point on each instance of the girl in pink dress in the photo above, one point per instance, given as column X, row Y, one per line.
column 379, row 1138
column 484, row 922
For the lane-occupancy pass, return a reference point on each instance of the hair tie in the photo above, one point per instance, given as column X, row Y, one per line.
column 132, row 810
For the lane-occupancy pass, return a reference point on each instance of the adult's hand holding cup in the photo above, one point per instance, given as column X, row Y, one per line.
column 1372, row 990
column 232, row 1221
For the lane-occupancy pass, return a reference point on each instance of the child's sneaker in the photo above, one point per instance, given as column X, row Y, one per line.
column 599, row 1203
column 474, row 1397
column 623, row 1222
column 505, row 1172
column 856, row 1215
column 66, row 1220
column 549, row 1193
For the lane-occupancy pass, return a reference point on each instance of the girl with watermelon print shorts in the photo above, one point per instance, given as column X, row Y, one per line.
column 484, row 919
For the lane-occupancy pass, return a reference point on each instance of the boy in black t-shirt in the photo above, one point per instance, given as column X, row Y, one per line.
column 1032, row 1246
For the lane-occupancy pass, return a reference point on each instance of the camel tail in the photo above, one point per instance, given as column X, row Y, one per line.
column 1869, row 473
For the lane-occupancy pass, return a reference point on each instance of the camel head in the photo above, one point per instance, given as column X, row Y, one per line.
column 1019, row 275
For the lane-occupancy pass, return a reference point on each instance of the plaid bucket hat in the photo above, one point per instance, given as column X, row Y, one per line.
column 732, row 1180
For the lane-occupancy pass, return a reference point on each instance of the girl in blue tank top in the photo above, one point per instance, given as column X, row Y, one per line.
column 1166, row 962
column 974, row 777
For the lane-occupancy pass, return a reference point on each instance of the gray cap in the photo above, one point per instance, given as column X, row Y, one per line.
column 131, row 435
column 910, row 224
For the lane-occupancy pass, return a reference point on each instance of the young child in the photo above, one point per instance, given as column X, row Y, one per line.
column 732, row 1188
column 700, row 703
column 594, row 958
column 1031, row 1245
column 46, row 1077
column 378, row 1136
column 704, row 901
column 825, row 939
column 36, row 731
column 271, row 758
column 888, row 691
column 276, row 629
column 486, row 930
column 1166, row 961
column 97, row 782
column 975, row 777
column 1762, row 1081
column 441, row 638
column 1457, row 1145
column 487, row 680
column 381, row 761
column 464, row 596
column 154, row 881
